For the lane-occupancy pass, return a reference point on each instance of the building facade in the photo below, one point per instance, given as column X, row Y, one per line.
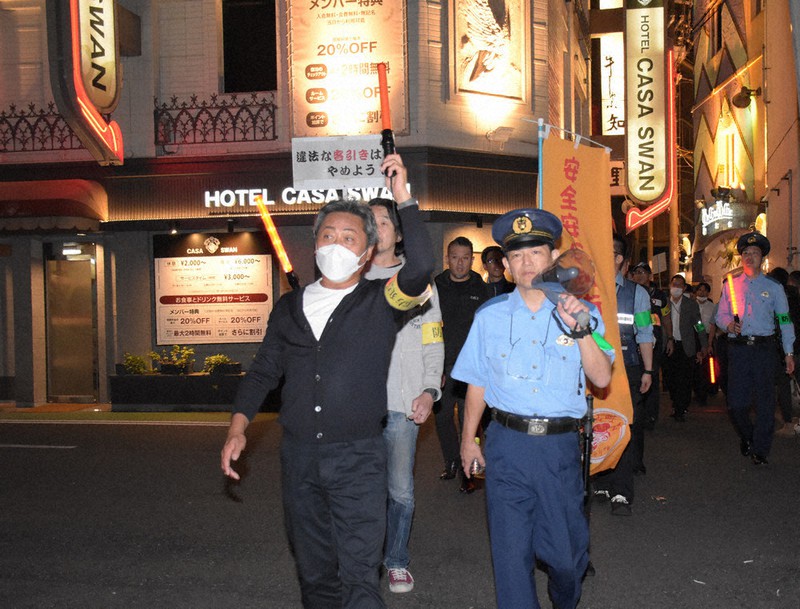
column 80, row 242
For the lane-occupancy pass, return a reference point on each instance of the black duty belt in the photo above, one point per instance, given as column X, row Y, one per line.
column 751, row 340
column 535, row 426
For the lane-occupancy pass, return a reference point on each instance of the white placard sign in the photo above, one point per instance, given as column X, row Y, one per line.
column 211, row 288
column 337, row 162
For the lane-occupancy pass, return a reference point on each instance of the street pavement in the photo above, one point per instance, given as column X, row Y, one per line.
column 95, row 514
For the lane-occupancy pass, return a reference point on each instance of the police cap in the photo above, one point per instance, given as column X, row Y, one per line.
column 754, row 238
column 526, row 228
column 642, row 265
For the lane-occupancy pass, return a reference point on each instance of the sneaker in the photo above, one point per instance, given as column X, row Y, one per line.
column 400, row 581
column 602, row 495
column 620, row 506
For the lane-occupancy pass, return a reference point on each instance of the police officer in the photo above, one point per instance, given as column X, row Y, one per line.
column 760, row 301
column 636, row 338
column 529, row 360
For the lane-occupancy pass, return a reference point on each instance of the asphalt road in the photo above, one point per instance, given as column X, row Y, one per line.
column 139, row 516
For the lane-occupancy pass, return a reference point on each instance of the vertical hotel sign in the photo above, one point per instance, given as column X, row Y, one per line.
column 335, row 46
column 646, row 92
column 84, row 72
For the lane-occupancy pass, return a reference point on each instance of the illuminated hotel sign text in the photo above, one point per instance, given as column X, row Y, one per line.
column 646, row 97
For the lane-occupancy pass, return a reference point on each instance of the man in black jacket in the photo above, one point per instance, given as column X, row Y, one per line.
column 461, row 292
column 331, row 342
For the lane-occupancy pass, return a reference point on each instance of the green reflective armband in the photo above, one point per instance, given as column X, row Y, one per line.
column 699, row 327
column 642, row 319
column 783, row 318
column 602, row 342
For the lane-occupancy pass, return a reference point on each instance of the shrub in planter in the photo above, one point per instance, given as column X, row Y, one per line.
column 132, row 364
column 221, row 364
column 179, row 360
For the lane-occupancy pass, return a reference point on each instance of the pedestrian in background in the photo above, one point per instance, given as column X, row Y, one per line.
column 492, row 259
column 529, row 360
column 461, row 292
column 751, row 346
column 702, row 382
column 415, row 376
column 683, row 350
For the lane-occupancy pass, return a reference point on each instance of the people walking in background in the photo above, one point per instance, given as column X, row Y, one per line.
column 682, row 347
column 760, row 302
column 331, row 344
column 492, row 259
column 636, row 339
column 461, row 292
column 702, row 383
column 642, row 274
column 529, row 360
column 415, row 377
column 783, row 387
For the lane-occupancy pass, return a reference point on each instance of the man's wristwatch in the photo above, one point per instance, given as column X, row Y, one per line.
column 432, row 392
column 650, row 372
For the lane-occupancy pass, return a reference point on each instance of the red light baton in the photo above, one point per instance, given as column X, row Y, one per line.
column 277, row 244
column 734, row 304
column 387, row 137
column 712, row 373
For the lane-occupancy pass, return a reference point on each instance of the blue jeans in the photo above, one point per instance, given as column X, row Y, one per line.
column 400, row 435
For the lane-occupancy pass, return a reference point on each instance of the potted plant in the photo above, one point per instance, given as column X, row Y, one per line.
column 179, row 360
column 221, row 364
column 132, row 364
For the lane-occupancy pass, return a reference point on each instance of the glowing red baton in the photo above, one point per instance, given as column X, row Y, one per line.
column 277, row 244
column 734, row 304
column 712, row 373
column 387, row 137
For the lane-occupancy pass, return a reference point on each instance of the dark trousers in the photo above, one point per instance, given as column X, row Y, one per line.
column 619, row 481
column 751, row 370
column 534, row 504
column 652, row 399
column 783, row 389
column 334, row 500
column 448, row 432
column 679, row 369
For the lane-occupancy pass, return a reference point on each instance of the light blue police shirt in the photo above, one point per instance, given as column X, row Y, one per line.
column 523, row 360
column 759, row 301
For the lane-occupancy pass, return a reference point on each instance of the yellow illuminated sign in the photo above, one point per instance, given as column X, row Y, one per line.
column 335, row 48
column 99, row 53
column 646, row 94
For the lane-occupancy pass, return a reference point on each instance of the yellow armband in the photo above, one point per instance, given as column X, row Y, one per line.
column 400, row 301
column 432, row 333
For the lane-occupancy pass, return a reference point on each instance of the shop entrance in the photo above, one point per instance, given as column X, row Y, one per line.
column 71, row 322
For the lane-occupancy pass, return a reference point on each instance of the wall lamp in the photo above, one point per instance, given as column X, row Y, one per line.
column 173, row 228
column 500, row 135
column 743, row 97
column 231, row 224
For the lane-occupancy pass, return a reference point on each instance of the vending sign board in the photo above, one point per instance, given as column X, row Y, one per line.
column 211, row 288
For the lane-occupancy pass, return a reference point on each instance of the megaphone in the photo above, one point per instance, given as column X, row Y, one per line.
column 571, row 273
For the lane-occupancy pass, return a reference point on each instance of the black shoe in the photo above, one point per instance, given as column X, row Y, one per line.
column 620, row 506
column 759, row 460
column 450, row 470
column 468, row 486
column 746, row 448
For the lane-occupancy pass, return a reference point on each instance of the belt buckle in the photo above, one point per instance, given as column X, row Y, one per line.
column 751, row 340
column 537, row 427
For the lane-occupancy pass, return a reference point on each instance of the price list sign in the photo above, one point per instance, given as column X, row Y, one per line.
column 335, row 47
column 211, row 288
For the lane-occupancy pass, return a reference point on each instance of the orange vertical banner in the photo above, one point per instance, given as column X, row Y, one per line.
column 575, row 188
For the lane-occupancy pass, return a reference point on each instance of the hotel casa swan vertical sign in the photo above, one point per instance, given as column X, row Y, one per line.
column 85, row 75
column 646, row 94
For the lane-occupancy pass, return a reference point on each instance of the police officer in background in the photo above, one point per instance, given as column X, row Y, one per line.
column 530, row 360
column 642, row 274
column 751, row 346
column 636, row 338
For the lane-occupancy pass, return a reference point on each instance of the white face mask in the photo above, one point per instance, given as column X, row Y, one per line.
column 336, row 262
column 702, row 298
column 675, row 292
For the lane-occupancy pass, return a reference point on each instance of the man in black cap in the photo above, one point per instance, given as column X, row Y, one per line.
column 749, row 317
column 642, row 274
column 530, row 360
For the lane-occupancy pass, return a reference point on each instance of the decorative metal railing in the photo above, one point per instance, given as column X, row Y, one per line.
column 221, row 119
column 35, row 130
